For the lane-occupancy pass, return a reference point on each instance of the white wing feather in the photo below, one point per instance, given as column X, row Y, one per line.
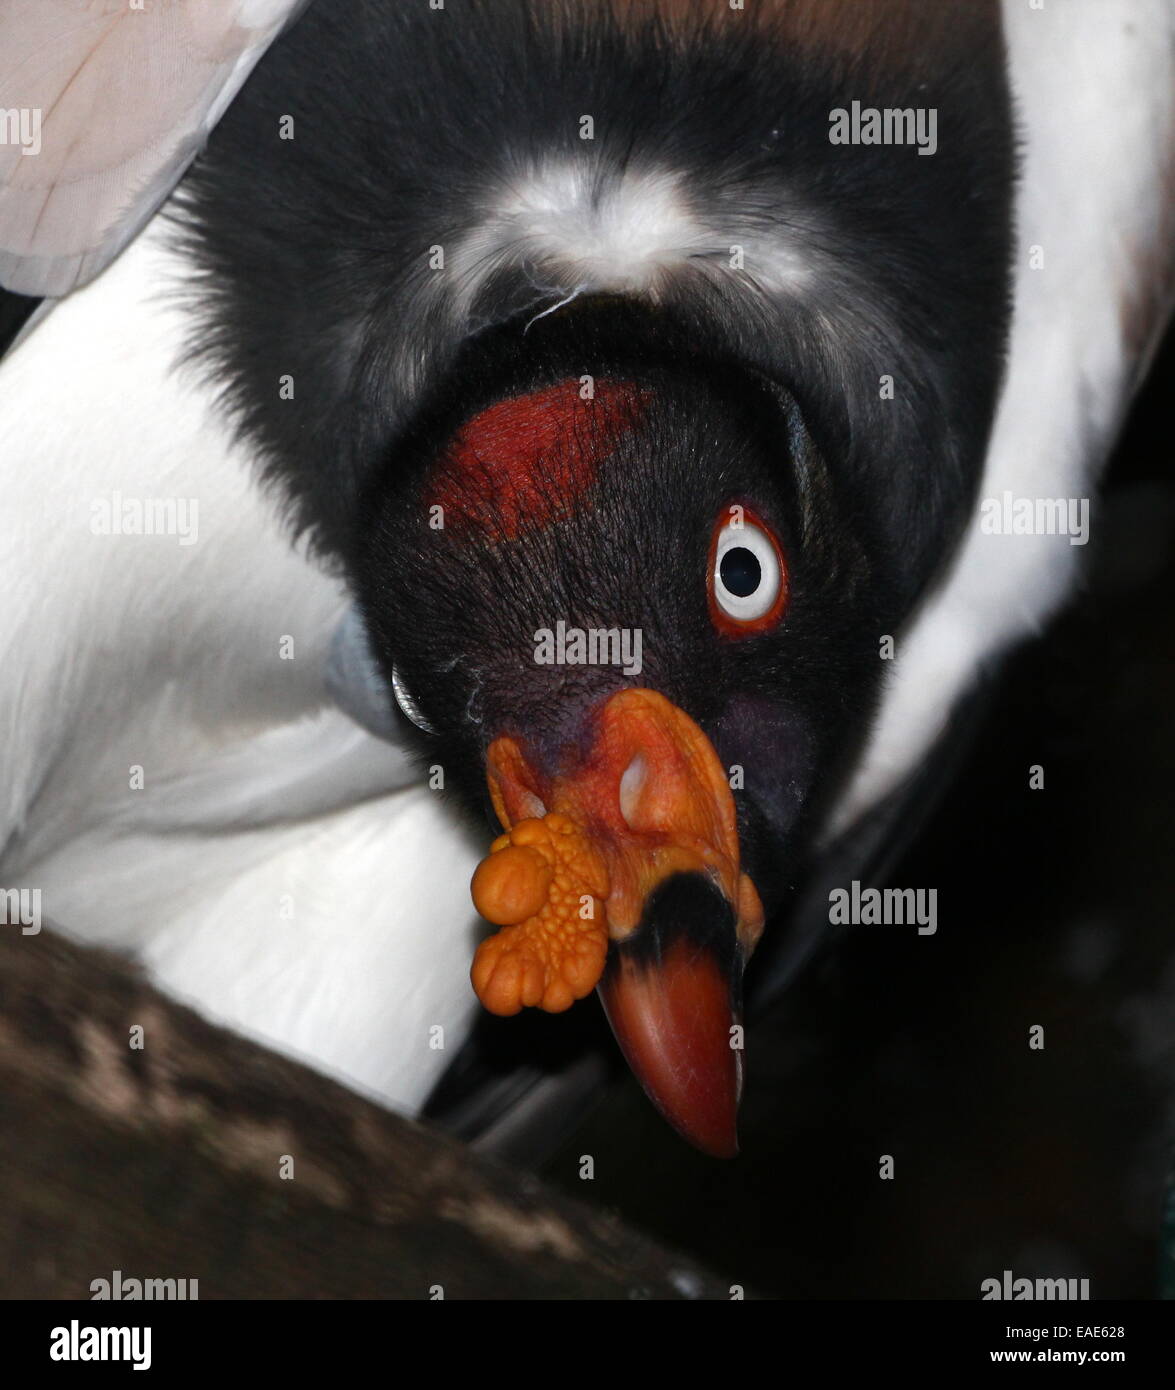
column 1094, row 83
column 103, row 105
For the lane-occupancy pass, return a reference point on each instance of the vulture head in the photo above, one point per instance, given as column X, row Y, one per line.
column 617, row 590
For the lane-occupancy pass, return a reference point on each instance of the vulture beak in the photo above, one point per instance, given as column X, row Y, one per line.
column 622, row 870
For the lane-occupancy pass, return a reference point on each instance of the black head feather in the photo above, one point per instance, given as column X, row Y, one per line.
column 412, row 130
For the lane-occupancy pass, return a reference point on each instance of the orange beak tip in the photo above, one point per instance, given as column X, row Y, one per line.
column 673, row 1021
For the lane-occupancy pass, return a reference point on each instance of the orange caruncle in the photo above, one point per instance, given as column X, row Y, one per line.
column 534, row 884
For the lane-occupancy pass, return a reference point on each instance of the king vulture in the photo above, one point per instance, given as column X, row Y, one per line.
column 585, row 414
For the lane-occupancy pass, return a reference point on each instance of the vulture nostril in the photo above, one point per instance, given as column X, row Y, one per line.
column 632, row 783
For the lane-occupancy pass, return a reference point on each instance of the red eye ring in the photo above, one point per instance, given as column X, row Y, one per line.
column 736, row 615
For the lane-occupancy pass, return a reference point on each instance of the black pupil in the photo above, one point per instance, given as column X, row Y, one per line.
column 740, row 572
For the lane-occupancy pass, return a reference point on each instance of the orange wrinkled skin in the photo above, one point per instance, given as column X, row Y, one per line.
column 533, row 883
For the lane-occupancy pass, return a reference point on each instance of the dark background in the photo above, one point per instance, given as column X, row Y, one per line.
column 1055, row 908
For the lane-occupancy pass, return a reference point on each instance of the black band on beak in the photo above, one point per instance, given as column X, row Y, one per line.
column 672, row 993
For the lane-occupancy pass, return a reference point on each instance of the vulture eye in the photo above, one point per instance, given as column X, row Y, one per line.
column 748, row 578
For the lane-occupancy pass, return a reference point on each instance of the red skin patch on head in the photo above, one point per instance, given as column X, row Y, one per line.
column 527, row 461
